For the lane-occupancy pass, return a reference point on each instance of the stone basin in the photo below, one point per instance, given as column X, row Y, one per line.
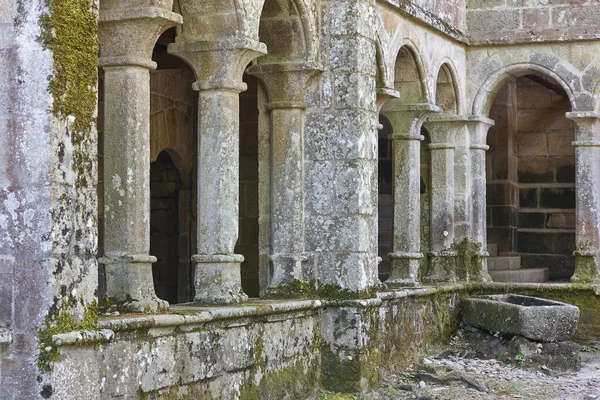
column 537, row 319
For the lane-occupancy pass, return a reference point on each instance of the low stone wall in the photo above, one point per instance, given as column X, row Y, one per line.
column 274, row 349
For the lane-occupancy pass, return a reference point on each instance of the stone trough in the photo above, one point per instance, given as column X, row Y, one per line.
column 536, row 319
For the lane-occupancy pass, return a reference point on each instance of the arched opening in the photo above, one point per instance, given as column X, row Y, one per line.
column 248, row 239
column 282, row 30
column 399, row 186
column 173, row 153
column 445, row 94
column 385, row 173
column 530, row 172
column 408, row 78
column 165, row 184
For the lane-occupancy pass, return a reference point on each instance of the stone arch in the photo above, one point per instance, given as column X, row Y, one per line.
column 495, row 82
column 287, row 17
column 409, row 76
column 447, row 94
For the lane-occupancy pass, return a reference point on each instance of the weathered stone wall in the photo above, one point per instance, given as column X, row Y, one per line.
column 446, row 15
column 507, row 21
column 48, row 272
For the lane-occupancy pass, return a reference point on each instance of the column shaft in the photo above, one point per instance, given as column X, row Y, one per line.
column 478, row 129
column 127, row 188
column 287, row 195
column 219, row 67
column 406, row 255
column 587, row 183
column 218, row 278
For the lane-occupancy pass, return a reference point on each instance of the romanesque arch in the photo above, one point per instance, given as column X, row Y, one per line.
column 447, row 94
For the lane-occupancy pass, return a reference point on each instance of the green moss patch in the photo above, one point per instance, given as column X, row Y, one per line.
column 60, row 321
column 70, row 31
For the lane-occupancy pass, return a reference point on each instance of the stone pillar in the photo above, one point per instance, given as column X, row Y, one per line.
column 587, row 186
column 127, row 36
column 478, row 128
column 286, row 88
column 406, row 256
column 219, row 67
column 442, row 131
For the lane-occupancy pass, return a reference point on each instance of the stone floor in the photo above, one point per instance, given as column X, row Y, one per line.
column 503, row 380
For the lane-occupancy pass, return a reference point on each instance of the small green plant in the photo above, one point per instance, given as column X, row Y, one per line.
column 520, row 357
column 589, row 349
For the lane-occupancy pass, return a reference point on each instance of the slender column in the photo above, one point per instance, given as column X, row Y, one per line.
column 406, row 256
column 442, row 131
column 587, row 186
column 127, row 37
column 478, row 129
column 219, row 67
column 286, row 87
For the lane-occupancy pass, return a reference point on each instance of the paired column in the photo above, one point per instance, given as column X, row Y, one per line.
column 406, row 256
column 127, row 36
column 219, row 67
column 587, row 182
column 478, row 129
column 286, row 87
column 442, row 130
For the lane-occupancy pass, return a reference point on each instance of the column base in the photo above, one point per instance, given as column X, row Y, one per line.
column 442, row 267
column 404, row 269
column 480, row 273
column 129, row 283
column 587, row 267
column 218, row 279
column 286, row 280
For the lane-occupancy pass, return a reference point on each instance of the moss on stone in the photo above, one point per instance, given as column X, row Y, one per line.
column 586, row 270
column 469, row 261
column 60, row 320
column 309, row 290
column 70, row 31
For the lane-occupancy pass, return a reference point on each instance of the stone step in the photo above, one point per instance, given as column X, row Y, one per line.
column 492, row 248
column 504, row 263
column 525, row 275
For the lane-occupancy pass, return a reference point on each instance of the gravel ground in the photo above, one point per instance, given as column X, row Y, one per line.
column 515, row 380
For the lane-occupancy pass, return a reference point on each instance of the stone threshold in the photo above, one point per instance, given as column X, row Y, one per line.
column 189, row 316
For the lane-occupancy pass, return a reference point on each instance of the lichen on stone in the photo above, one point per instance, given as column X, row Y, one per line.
column 61, row 320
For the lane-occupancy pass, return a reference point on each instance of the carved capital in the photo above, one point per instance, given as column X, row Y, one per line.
column 442, row 128
column 219, row 65
column 286, row 83
column 127, row 35
column 408, row 119
column 478, row 127
column 587, row 128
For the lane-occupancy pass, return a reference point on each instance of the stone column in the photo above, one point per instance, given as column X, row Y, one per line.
column 127, row 37
column 442, row 131
column 219, row 67
column 587, row 186
column 286, row 87
column 478, row 128
column 406, row 256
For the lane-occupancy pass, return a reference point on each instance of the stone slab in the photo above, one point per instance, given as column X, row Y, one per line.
column 534, row 318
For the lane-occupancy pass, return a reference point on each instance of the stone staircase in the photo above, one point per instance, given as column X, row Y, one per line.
column 507, row 268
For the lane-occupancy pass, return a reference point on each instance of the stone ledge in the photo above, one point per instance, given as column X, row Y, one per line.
column 183, row 314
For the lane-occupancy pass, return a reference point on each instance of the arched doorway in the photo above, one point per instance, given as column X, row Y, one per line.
column 531, row 182
column 165, row 184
